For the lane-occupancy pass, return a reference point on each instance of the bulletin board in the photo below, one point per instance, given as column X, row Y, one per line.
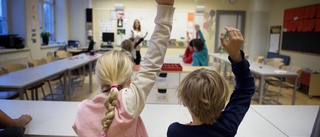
column 301, row 29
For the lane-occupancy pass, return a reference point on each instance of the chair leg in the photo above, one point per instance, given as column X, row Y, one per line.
column 279, row 93
column 25, row 92
column 37, row 96
column 32, row 95
column 44, row 95
column 50, row 89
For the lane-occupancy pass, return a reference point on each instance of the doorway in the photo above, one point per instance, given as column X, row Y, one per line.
column 224, row 18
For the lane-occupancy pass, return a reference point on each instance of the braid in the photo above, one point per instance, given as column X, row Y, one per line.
column 110, row 104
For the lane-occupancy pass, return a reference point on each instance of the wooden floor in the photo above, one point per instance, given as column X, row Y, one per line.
column 82, row 92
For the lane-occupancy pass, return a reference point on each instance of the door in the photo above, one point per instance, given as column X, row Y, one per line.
column 224, row 18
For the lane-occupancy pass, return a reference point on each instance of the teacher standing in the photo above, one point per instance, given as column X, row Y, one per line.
column 138, row 37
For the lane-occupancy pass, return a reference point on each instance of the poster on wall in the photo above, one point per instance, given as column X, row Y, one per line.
column 274, row 43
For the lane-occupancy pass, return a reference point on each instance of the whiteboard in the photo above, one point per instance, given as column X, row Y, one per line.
column 146, row 18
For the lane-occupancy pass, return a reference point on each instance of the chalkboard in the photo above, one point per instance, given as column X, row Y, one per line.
column 302, row 41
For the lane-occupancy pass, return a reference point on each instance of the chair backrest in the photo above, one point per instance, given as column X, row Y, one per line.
column 246, row 56
column 1, row 72
column 275, row 59
column 259, row 59
column 50, row 54
column 296, row 69
column 36, row 62
column 13, row 67
column 61, row 54
column 50, row 58
column 275, row 64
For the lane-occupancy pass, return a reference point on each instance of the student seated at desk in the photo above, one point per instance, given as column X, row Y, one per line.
column 135, row 53
column 13, row 127
column 204, row 92
column 91, row 44
column 116, row 111
column 200, row 57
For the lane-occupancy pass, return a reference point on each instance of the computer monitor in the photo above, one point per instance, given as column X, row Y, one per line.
column 73, row 43
column 108, row 37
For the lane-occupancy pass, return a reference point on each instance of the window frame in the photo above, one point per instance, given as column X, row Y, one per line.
column 4, row 17
column 42, row 26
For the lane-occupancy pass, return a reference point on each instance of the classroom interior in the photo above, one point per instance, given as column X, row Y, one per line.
column 71, row 23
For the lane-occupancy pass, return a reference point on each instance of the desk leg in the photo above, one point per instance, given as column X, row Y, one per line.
column 90, row 77
column 261, row 91
column 294, row 91
column 21, row 91
column 69, row 85
column 65, row 88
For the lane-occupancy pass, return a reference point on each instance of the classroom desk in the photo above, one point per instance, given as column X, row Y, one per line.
column 263, row 71
column 157, row 119
column 52, row 118
column 19, row 80
column 75, row 62
column 293, row 121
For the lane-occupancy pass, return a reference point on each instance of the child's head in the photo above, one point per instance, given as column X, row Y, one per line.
column 113, row 72
column 198, row 44
column 127, row 45
column 204, row 92
column 191, row 45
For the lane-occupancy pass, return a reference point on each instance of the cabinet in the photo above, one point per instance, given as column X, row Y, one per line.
column 314, row 87
column 312, row 81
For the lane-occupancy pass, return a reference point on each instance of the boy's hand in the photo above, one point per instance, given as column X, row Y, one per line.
column 234, row 44
column 197, row 27
column 165, row 2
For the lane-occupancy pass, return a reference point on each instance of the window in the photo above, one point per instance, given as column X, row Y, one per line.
column 46, row 17
column 3, row 17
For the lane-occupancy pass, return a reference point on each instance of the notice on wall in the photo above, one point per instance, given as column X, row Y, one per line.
column 274, row 43
column 105, row 26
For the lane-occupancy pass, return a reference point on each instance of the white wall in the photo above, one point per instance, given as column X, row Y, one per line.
column 62, row 21
column 77, row 20
column 16, row 17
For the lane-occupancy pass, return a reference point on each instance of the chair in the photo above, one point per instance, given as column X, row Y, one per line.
column 50, row 58
column 288, row 83
column 8, row 94
column 61, row 54
column 275, row 64
column 246, row 56
column 259, row 59
column 8, row 68
column 33, row 88
column 13, row 67
column 275, row 60
column 54, row 78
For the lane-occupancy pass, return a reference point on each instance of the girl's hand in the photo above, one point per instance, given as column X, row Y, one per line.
column 234, row 44
column 165, row 2
column 197, row 27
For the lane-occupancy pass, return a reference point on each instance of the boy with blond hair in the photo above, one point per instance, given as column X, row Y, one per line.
column 204, row 92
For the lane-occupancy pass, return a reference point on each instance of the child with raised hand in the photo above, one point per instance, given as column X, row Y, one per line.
column 204, row 92
column 116, row 111
column 200, row 56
